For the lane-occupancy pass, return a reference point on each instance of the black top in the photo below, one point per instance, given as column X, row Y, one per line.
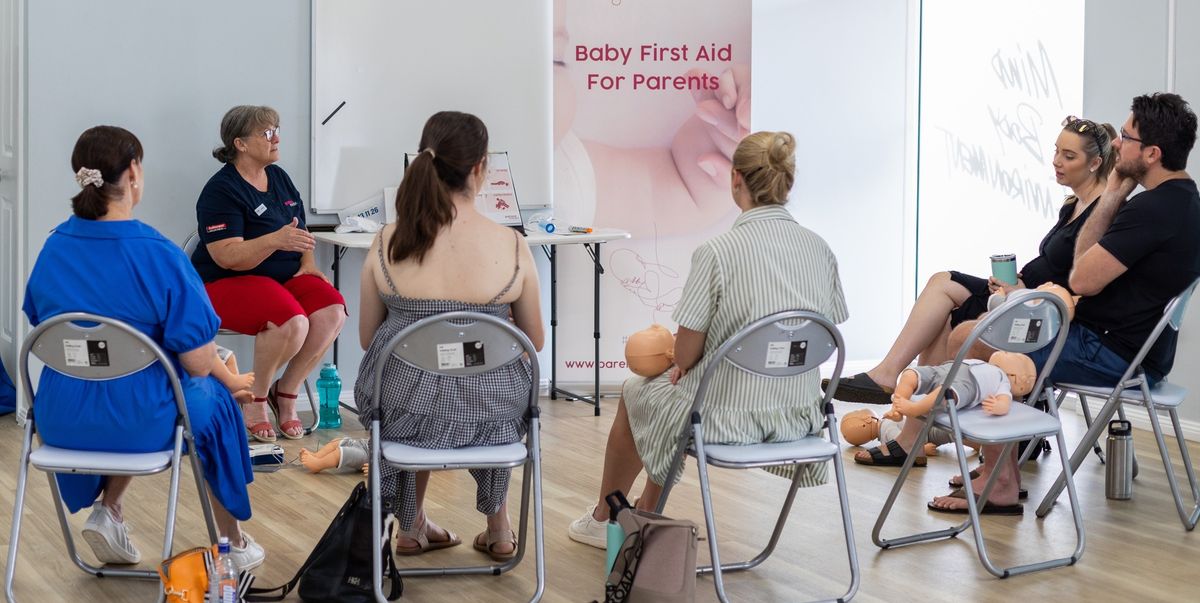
column 1056, row 254
column 1156, row 235
column 231, row 207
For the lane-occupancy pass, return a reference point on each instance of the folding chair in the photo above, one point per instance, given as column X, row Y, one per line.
column 1022, row 324
column 1134, row 389
column 423, row 345
column 755, row 349
column 129, row 351
column 189, row 247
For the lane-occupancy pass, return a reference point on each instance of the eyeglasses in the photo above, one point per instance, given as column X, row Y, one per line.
column 1125, row 136
column 270, row 133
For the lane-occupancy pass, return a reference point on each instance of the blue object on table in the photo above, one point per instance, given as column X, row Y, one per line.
column 329, row 390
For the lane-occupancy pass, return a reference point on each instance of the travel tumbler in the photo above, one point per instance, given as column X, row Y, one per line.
column 1118, row 466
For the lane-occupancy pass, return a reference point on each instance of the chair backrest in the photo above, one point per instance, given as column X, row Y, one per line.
column 94, row 348
column 457, row 344
column 190, row 243
column 783, row 344
column 1027, row 321
column 1176, row 307
column 1172, row 318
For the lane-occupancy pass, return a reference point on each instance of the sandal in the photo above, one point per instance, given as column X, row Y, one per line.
column 1022, row 493
column 895, row 458
column 988, row 508
column 494, row 538
column 263, row 427
column 424, row 545
column 286, row 428
column 860, row 388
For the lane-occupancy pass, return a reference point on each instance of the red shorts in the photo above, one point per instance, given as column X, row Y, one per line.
column 247, row 303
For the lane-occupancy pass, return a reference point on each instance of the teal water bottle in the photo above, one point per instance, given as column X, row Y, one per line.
column 329, row 389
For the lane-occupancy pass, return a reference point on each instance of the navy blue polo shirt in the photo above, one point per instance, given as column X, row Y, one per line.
column 231, row 207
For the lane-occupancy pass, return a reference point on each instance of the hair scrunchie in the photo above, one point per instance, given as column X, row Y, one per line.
column 86, row 176
column 429, row 150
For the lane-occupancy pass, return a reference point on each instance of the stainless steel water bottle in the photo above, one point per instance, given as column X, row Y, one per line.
column 1118, row 465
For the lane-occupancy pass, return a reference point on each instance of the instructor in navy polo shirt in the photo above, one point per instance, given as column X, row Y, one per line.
column 256, row 260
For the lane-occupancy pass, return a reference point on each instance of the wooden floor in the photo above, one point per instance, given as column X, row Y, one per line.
column 1136, row 550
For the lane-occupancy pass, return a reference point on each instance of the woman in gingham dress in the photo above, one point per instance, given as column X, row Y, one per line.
column 441, row 255
column 765, row 263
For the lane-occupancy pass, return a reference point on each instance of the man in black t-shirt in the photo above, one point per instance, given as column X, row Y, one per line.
column 1132, row 257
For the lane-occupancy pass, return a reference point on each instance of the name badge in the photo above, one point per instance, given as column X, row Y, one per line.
column 260, row 210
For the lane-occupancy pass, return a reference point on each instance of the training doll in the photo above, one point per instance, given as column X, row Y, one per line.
column 650, row 352
column 343, row 455
column 861, row 426
column 990, row 384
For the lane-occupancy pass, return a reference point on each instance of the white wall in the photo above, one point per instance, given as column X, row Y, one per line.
column 834, row 74
column 167, row 71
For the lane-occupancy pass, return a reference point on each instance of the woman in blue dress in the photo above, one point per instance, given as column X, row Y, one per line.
column 103, row 261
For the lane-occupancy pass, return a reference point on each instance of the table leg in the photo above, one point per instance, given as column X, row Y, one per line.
column 597, row 269
column 553, row 323
column 337, row 264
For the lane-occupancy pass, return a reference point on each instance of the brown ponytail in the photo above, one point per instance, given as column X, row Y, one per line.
column 110, row 150
column 452, row 144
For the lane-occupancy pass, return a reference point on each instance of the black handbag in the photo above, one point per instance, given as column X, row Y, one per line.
column 339, row 568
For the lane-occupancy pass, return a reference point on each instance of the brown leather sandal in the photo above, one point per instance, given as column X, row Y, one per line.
column 494, row 538
column 424, row 545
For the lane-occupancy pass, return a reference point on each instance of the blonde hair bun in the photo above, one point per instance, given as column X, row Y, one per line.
column 767, row 163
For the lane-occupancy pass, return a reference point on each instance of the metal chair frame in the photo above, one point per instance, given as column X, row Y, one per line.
column 745, row 351
column 189, row 247
column 995, row 329
column 46, row 342
column 1134, row 389
column 416, row 345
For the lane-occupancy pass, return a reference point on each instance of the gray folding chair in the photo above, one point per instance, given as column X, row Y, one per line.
column 189, row 247
column 1024, row 323
column 129, row 351
column 754, row 349
column 421, row 345
column 1134, row 389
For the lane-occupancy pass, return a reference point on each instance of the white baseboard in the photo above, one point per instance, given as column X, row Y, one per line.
column 1139, row 418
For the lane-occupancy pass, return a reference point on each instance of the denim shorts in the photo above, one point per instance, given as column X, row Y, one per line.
column 1084, row 361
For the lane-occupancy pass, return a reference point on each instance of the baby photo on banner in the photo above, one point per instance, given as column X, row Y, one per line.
column 650, row 100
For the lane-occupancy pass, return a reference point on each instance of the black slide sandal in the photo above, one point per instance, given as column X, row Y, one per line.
column 895, row 458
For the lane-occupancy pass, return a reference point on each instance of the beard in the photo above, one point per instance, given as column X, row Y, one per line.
column 1135, row 169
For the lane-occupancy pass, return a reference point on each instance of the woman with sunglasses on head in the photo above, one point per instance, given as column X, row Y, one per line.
column 1083, row 158
column 256, row 260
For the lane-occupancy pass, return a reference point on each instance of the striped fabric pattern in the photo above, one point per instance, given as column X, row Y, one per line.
column 766, row 263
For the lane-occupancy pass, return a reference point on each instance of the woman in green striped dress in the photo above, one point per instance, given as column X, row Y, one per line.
column 765, row 263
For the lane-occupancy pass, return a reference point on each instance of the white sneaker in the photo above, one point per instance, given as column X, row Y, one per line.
column 109, row 538
column 248, row 557
column 589, row 531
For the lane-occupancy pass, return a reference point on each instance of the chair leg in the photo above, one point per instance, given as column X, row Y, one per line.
column 60, row 509
column 210, row 520
column 847, row 527
column 1080, row 453
column 709, row 522
column 539, row 533
column 1087, row 422
column 905, row 469
column 316, row 408
column 1186, row 516
column 1184, row 454
column 376, row 515
column 14, row 537
column 173, row 494
column 676, row 466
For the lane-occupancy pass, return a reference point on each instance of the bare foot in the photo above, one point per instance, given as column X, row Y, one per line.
column 241, row 382
column 255, row 414
column 1004, row 493
column 244, row 396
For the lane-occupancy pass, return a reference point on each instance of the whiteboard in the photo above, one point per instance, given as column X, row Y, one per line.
column 996, row 81
column 396, row 63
